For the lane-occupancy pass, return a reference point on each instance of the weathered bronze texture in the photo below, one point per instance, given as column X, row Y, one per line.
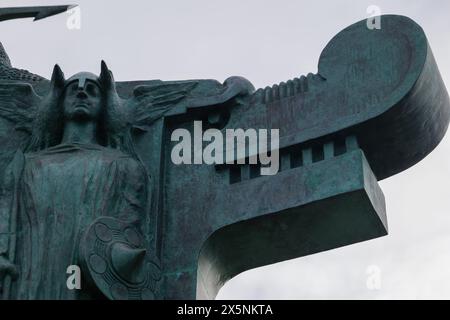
column 87, row 177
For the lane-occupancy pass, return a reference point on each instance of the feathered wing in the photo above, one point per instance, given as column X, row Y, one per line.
column 18, row 104
column 18, row 108
column 151, row 102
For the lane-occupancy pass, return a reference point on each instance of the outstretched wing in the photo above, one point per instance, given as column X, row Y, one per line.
column 18, row 106
column 151, row 102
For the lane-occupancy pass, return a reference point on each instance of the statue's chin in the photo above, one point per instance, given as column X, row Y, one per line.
column 81, row 113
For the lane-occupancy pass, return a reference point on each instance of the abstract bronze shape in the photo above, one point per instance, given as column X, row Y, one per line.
column 38, row 13
column 87, row 156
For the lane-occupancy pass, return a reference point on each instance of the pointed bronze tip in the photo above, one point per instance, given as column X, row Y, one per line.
column 128, row 262
column 48, row 11
column 37, row 12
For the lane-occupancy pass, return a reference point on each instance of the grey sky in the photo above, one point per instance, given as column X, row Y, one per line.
column 267, row 42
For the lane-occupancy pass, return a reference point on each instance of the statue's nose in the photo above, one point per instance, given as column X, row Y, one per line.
column 81, row 93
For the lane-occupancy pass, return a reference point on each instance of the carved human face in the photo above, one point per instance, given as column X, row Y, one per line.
column 82, row 103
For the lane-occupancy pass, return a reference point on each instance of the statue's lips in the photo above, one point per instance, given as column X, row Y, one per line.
column 81, row 106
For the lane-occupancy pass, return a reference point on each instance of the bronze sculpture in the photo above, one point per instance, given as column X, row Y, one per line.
column 87, row 177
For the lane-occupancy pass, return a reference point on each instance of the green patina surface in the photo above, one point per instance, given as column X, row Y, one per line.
column 87, row 178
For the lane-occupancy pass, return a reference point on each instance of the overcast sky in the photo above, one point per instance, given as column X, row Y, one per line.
column 267, row 42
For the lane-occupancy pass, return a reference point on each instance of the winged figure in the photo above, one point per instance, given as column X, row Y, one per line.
column 70, row 159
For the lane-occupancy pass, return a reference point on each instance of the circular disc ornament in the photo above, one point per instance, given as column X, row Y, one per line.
column 115, row 255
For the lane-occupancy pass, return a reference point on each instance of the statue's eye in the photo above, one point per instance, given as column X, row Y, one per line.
column 90, row 88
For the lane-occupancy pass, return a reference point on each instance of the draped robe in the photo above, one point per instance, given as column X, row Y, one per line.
column 60, row 192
